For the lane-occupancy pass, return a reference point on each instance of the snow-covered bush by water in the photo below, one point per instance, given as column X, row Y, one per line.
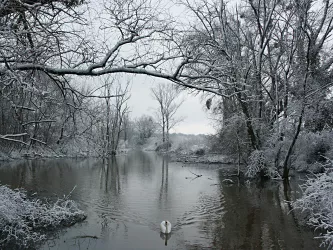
column 256, row 165
column 259, row 165
column 317, row 204
column 24, row 222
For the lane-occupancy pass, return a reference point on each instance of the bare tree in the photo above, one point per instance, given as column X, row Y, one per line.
column 120, row 113
column 166, row 95
column 145, row 126
column 116, row 114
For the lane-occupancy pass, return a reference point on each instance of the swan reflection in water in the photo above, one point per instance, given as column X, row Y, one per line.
column 165, row 237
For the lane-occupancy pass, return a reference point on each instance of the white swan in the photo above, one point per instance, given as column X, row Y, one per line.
column 165, row 227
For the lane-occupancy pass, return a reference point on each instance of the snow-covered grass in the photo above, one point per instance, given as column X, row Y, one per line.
column 24, row 222
column 317, row 204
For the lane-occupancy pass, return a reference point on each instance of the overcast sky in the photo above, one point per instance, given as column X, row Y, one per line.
column 196, row 118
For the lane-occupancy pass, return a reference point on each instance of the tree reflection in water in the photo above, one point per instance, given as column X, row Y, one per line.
column 111, row 185
column 257, row 217
column 163, row 197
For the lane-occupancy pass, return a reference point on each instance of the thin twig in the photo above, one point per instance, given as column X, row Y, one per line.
column 70, row 193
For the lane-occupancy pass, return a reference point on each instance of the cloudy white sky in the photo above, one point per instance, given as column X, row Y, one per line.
column 196, row 119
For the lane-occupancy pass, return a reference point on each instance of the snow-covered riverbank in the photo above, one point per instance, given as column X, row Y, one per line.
column 24, row 222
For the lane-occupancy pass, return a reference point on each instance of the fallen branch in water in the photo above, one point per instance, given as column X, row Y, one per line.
column 86, row 236
column 197, row 175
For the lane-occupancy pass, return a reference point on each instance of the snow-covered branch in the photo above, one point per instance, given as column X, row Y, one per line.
column 34, row 122
column 8, row 137
column 8, row 7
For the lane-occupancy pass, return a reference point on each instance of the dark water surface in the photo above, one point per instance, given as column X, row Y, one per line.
column 126, row 198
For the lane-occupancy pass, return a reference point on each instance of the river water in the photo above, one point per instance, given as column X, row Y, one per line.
column 127, row 197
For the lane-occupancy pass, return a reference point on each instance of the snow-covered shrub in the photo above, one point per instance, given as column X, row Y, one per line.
column 257, row 164
column 23, row 222
column 317, row 204
column 313, row 149
column 260, row 166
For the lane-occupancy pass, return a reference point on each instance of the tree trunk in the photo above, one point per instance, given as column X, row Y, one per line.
column 163, row 129
column 250, row 130
column 108, row 139
column 167, row 132
column 291, row 147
